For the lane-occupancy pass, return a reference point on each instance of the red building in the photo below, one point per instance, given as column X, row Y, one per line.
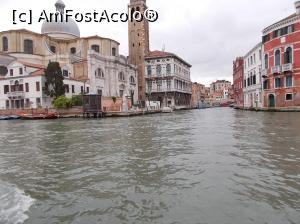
column 281, row 63
column 238, row 79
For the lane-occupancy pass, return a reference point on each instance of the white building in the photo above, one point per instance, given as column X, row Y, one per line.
column 22, row 85
column 168, row 80
column 89, row 64
column 253, row 97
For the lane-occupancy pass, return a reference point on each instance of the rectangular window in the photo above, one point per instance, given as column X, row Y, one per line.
column 121, row 92
column 266, row 38
column 38, row 102
column 38, row 88
column 81, row 89
column 266, row 84
column 27, row 87
column 21, row 71
column 99, row 91
column 290, row 29
column 114, row 51
column 289, row 81
column 289, row 97
column 277, row 82
column 254, row 79
column 73, row 89
column 65, row 73
column 27, row 103
column 284, row 31
column 6, row 89
column 11, row 72
column 87, row 90
column 169, row 84
column 7, row 104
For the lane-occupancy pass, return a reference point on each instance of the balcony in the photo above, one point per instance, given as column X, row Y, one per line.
column 287, row 67
column 276, row 69
column 16, row 94
column 264, row 73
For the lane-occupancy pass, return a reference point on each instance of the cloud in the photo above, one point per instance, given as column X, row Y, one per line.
column 208, row 34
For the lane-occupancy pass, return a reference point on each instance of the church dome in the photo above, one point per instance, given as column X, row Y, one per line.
column 61, row 29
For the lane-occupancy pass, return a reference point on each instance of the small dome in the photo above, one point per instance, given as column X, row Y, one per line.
column 61, row 29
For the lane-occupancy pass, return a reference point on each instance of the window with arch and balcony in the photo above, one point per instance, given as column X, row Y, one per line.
column 288, row 56
column 28, row 46
column 277, row 58
column 4, row 43
column 99, row 73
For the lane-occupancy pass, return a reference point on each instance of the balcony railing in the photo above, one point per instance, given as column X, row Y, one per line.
column 287, row 67
column 16, row 94
column 276, row 69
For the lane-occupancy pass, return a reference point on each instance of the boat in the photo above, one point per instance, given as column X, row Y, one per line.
column 4, row 118
column 48, row 116
column 166, row 110
column 10, row 117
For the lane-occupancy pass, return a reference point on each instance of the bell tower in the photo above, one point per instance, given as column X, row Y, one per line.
column 138, row 38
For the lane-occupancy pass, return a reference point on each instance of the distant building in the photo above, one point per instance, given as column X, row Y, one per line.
column 252, row 90
column 198, row 95
column 219, row 92
column 281, row 62
column 238, row 82
column 168, row 80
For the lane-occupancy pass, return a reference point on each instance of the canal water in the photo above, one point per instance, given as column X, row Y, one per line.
column 204, row 166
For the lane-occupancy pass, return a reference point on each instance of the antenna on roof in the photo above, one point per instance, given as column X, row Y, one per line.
column 164, row 48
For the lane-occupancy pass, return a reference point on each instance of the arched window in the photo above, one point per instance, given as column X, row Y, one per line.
column 28, row 46
column 99, row 73
column 132, row 80
column 288, row 56
column 168, row 69
column 149, row 70
column 266, row 61
column 96, row 48
column 121, row 76
column 73, row 50
column 53, row 49
column 4, row 43
column 158, row 70
column 277, row 57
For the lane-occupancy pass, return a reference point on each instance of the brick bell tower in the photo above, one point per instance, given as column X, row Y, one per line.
column 138, row 38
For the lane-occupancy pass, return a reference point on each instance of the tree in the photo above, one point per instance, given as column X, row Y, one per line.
column 54, row 86
column 62, row 102
column 77, row 100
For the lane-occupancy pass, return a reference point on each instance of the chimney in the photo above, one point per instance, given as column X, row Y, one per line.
column 297, row 6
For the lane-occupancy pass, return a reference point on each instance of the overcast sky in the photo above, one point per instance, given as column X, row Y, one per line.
column 208, row 34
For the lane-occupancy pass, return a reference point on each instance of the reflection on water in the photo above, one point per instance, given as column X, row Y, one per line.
column 202, row 166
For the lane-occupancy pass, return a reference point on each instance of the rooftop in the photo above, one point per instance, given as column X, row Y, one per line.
column 163, row 54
